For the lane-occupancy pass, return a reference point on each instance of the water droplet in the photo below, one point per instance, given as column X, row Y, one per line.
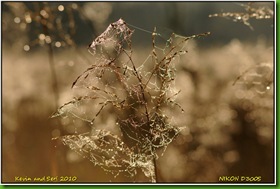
column 57, row 44
column 74, row 6
column 17, row 20
column 48, row 39
column 60, row 8
column 26, row 47
column 28, row 18
column 44, row 13
column 41, row 36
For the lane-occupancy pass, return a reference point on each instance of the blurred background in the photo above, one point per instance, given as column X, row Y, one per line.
column 226, row 81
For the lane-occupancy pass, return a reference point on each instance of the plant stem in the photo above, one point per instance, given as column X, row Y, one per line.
column 53, row 74
column 54, row 165
column 142, row 88
column 155, row 166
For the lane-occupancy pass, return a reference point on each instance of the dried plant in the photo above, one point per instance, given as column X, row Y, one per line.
column 51, row 25
column 140, row 97
column 251, row 12
column 47, row 25
column 258, row 77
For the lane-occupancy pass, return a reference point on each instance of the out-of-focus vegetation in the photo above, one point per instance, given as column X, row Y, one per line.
column 226, row 90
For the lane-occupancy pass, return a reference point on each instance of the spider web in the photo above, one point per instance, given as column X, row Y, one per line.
column 138, row 97
column 250, row 12
column 258, row 77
